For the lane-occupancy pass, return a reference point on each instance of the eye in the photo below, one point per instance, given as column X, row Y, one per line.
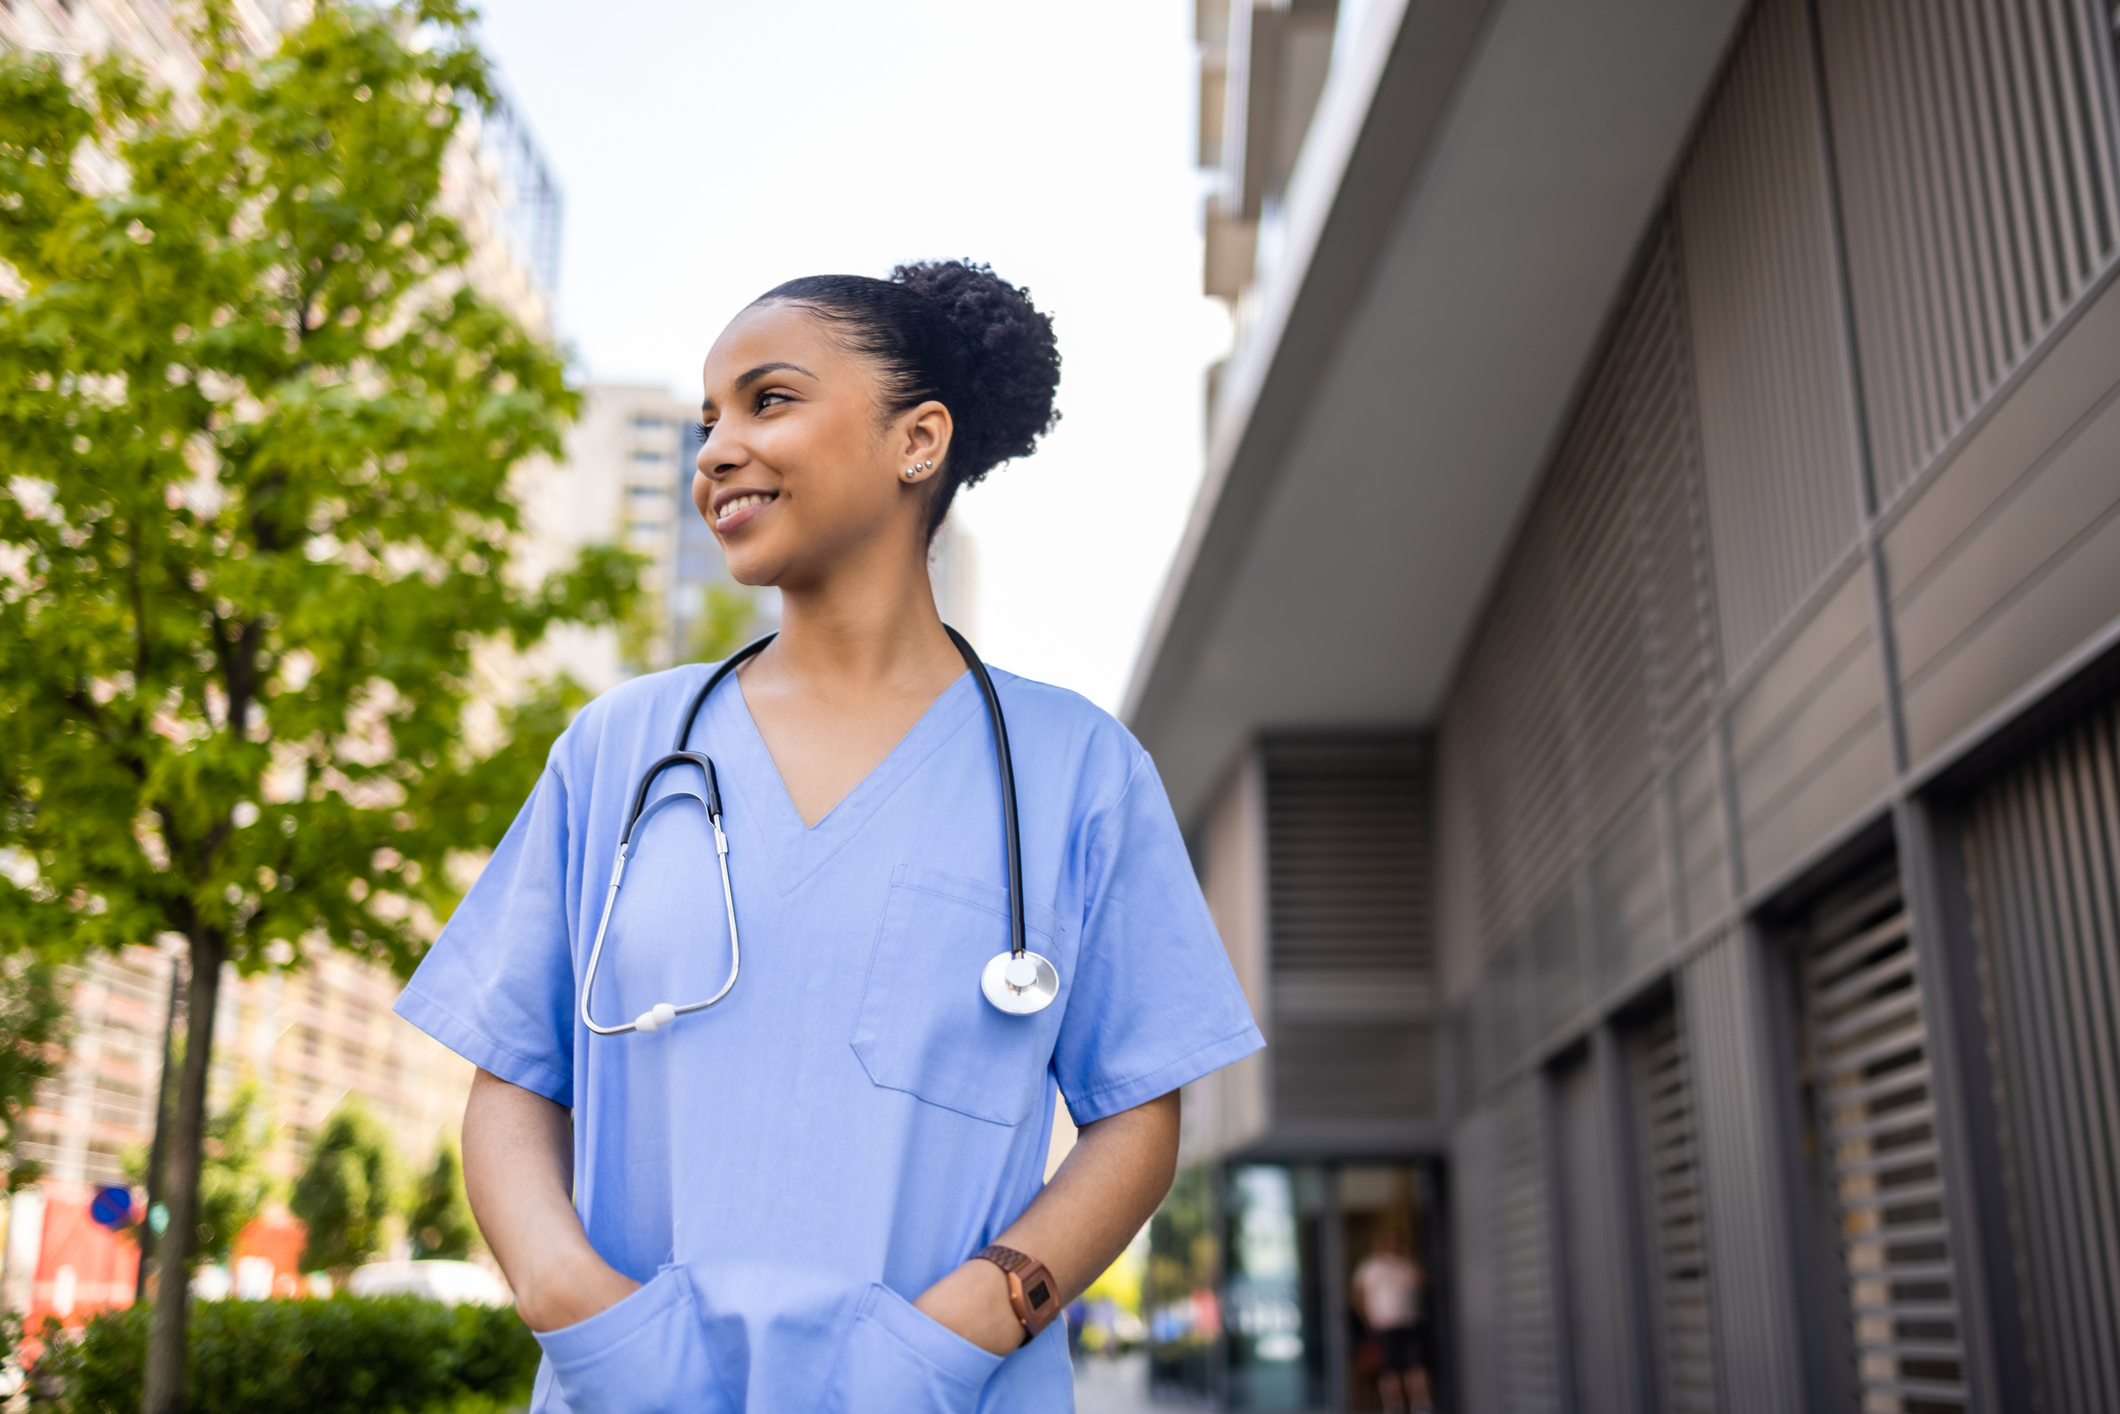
column 771, row 396
column 704, row 429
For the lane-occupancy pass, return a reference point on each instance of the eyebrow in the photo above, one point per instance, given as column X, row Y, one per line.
column 707, row 404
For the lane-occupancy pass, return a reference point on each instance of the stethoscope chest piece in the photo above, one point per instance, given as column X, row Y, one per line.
column 1020, row 985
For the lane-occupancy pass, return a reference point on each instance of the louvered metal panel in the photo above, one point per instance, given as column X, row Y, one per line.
column 1598, row 641
column 2044, row 846
column 1508, row 717
column 1597, row 1340
column 1737, row 1076
column 1776, row 408
column 1353, row 1071
column 1348, row 856
column 1630, row 898
column 1603, row 647
column 1556, row 949
column 1979, row 187
column 1673, row 1214
column 1528, row 1379
column 1873, row 1110
column 1672, row 527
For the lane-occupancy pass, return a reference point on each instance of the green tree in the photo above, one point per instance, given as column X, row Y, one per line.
column 344, row 1194
column 440, row 1222
column 233, row 1183
column 33, row 1027
column 257, row 532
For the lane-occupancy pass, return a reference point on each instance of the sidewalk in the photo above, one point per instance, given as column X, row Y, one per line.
column 1117, row 1386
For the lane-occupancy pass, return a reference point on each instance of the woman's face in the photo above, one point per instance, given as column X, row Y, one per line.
column 800, row 474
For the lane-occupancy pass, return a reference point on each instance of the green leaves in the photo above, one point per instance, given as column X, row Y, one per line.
column 33, row 1034
column 344, row 1195
column 348, row 1355
column 261, row 440
column 440, row 1223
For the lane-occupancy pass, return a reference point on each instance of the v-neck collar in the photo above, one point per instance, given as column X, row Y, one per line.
column 807, row 848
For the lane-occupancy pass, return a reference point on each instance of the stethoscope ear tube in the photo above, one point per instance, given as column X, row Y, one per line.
column 1019, row 941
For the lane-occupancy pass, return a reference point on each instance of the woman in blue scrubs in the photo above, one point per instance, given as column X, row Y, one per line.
column 787, row 1201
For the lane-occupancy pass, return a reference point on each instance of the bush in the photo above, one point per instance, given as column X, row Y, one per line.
column 347, row 1355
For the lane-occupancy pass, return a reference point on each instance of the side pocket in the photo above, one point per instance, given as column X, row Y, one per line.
column 645, row 1355
column 897, row 1360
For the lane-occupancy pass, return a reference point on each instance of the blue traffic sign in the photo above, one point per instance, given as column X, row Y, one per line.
column 112, row 1207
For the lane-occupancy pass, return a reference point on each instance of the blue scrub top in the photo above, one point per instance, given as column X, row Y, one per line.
column 787, row 1170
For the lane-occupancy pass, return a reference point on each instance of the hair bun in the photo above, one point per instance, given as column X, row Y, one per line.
column 1013, row 360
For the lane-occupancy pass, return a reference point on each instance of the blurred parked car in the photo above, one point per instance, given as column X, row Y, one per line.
column 453, row 1282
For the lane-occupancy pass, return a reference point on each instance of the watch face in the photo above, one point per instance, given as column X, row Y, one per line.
column 1038, row 1295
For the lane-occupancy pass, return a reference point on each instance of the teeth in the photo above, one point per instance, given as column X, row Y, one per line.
column 739, row 503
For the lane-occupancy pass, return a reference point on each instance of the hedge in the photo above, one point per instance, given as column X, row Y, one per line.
column 345, row 1355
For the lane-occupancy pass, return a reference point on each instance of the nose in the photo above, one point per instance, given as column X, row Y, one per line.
column 717, row 459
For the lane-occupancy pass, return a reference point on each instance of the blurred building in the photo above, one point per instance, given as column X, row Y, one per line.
column 308, row 1038
column 1642, row 682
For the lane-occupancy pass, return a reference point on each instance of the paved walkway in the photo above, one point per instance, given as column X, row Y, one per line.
column 1115, row 1386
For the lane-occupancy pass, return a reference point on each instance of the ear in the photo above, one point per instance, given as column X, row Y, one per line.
column 925, row 433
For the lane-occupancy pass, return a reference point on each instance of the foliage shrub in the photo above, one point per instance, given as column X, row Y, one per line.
column 346, row 1355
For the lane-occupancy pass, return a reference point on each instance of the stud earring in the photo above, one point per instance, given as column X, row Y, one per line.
column 911, row 472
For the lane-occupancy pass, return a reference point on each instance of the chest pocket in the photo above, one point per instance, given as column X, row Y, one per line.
column 926, row 1028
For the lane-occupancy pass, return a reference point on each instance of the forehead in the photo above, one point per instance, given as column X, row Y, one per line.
column 772, row 333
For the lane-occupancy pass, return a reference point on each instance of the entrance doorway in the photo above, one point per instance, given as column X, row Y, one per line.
column 1294, row 1237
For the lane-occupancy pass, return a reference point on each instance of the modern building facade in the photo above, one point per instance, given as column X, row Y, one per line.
column 1642, row 681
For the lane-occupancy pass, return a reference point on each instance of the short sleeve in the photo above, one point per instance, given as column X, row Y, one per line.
column 498, row 985
column 1154, row 1003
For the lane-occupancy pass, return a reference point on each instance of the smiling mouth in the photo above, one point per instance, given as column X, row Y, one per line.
column 724, row 514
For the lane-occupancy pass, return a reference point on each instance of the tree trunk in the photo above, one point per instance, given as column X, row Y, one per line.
column 164, row 1392
column 159, row 1150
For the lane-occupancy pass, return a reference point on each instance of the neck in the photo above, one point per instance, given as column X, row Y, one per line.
column 872, row 627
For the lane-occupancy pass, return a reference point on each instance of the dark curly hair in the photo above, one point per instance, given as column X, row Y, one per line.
column 956, row 332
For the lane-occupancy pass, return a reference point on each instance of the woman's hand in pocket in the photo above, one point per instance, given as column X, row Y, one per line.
column 519, row 1172
column 569, row 1289
column 973, row 1302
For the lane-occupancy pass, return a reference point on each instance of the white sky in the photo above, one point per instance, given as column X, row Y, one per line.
column 709, row 151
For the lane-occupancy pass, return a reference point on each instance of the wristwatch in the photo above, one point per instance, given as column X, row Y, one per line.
column 1031, row 1288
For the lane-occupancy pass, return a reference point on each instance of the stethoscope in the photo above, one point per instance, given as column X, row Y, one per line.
column 1018, row 981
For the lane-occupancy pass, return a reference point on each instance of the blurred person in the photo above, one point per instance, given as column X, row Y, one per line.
column 820, row 1188
column 1387, row 1288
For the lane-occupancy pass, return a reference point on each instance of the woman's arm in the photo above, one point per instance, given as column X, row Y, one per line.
column 519, row 1175
column 1119, row 1171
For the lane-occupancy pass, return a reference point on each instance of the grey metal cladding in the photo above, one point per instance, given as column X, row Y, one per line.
column 1352, row 1070
column 1758, row 1342
column 1630, row 899
column 1348, row 854
column 1528, row 1379
column 1777, row 415
column 1663, row 433
column 1598, row 644
column 1594, row 1266
column 2007, row 558
column 1976, row 148
column 1873, row 1112
column 1667, row 1166
column 1348, row 865
column 2043, row 843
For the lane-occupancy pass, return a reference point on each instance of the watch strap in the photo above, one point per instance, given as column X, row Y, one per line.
column 1031, row 1288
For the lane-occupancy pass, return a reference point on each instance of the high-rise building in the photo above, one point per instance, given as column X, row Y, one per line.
column 1643, row 686
column 308, row 1038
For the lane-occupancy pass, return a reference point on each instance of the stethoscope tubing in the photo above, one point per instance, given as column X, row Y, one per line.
column 711, row 802
column 1019, row 941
